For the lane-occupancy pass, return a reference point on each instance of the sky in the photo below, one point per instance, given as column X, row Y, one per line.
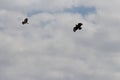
column 48, row 49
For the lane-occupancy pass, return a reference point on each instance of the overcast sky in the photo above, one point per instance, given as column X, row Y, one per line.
column 48, row 49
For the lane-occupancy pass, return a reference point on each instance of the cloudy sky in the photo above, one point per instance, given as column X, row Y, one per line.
column 48, row 49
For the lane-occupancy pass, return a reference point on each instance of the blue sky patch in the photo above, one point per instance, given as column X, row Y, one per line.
column 82, row 10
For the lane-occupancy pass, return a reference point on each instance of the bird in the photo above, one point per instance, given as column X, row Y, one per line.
column 78, row 26
column 25, row 21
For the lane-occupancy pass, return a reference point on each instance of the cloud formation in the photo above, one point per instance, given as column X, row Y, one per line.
column 48, row 49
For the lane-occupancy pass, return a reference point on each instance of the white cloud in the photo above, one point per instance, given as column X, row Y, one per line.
column 48, row 49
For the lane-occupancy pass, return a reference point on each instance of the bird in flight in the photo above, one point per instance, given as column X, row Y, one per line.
column 78, row 26
column 25, row 21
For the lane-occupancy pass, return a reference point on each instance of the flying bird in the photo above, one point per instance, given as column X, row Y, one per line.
column 25, row 21
column 77, row 27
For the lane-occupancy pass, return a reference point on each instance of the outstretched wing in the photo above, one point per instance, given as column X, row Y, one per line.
column 25, row 21
column 74, row 29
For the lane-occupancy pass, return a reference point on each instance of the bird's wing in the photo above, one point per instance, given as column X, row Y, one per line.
column 74, row 29
column 26, row 20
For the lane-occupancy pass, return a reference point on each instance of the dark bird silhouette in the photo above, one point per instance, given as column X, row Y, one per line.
column 25, row 21
column 77, row 27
